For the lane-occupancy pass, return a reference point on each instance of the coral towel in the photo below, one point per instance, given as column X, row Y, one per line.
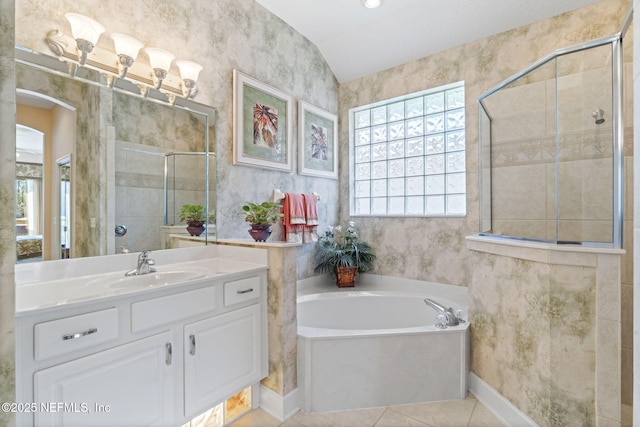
column 300, row 218
column 294, row 217
column 309, row 233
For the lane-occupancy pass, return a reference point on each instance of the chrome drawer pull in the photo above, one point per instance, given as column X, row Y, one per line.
column 79, row 334
column 245, row 291
column 169, row 353
column 192, row 346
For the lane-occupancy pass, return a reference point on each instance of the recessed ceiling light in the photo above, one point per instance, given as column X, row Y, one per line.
column 371, row 4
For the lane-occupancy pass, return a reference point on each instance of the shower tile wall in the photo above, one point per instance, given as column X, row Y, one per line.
column 139, row 179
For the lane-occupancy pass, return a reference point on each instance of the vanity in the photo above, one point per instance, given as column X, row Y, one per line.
column 96, row 347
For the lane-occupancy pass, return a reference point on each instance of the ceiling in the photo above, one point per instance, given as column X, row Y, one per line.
column 357, row 41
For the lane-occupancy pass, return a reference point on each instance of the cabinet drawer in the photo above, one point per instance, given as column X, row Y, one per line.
column 241, row 290
column 75, row 333
column 172, row 308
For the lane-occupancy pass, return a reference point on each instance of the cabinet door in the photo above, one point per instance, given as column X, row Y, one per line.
column 223, row 355
column 128, row 385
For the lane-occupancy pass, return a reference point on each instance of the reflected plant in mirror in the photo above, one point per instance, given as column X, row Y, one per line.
column 195, row 217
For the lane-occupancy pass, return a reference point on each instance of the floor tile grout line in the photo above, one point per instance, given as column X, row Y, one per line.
column 386, row 408
column 473, row 410
column 426, row 424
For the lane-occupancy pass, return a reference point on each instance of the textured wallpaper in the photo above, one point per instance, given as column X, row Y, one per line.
column 7, row 203
column 222, row 35
column 239, row 34
column 434, row 248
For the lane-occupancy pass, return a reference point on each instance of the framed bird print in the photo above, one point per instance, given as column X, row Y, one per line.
column 317, row 142
column 262, row 124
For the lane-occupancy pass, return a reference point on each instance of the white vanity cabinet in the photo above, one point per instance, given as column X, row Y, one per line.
column 221, row 357
column 157, row 357
column 136, row 379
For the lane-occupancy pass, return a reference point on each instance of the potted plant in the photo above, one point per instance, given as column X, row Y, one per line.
column 340, row 251
column 195, row 218
column 261, row 216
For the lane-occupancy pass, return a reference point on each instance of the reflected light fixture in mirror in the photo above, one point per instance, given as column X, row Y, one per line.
column 160, row 61
column 189, row 72
column 127, row 49
column 86, row 31
column 371, row 4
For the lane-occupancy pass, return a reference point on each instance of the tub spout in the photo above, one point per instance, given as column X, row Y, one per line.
column 446, row 317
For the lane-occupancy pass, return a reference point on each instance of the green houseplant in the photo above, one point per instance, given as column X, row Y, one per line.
column 261, row 216
column 341, row 251
column 195, row 218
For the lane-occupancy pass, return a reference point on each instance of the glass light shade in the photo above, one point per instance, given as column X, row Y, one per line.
column 189, row 70
column 159, row 58
column 126, row 45
column 371, row 4
column 84, row 28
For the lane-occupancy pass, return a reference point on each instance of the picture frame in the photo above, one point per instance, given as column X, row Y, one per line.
column 262, row 124
column 317, row 141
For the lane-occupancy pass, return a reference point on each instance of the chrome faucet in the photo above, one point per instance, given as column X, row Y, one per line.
column 446, row 316
column 144, row 265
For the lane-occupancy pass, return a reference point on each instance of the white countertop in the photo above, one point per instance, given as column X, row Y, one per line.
column 58, row 283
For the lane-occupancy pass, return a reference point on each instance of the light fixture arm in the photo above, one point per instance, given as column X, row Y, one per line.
column 189, row 88
column 85, row 47
column 124, row 62
column 158, row 76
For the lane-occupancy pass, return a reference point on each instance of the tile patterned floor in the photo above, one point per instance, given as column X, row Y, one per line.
column 455, row 413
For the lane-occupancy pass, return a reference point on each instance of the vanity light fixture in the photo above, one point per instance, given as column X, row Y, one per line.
column 371, row 4
column 127, row 48
column 160, row 60
column 122, row 60
column 189, row 72
column 86, row 31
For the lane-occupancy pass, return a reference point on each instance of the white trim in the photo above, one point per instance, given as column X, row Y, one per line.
column 498, row 404
column 281, row 407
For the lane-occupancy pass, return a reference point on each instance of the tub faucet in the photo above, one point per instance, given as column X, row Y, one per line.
column 144, row 265
column 446, row 317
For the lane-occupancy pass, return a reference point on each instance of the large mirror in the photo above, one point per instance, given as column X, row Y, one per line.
column 103, row 170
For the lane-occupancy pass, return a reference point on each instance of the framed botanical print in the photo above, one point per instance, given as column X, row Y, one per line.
column 317, row 142
column 262, row 127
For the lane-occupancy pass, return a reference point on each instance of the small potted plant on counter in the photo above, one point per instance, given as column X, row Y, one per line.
column 340, row 251
column 261, row 217
column 195, row 218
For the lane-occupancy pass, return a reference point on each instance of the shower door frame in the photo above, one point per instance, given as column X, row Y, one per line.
column 615, row 42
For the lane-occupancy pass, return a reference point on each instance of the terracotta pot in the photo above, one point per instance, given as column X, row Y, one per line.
column 346, row 276
column 195, row 229
column 260, row 232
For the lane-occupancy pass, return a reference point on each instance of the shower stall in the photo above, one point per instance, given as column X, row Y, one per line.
column 150, row 188
column 551, row 149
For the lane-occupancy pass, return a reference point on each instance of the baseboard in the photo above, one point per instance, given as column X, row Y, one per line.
column 498, row 404
column 281, row 407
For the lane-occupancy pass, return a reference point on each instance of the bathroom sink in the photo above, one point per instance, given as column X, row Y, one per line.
column 151, row 280
column 159, row 278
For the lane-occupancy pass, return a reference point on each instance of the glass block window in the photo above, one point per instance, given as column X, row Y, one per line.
column 407, row 155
